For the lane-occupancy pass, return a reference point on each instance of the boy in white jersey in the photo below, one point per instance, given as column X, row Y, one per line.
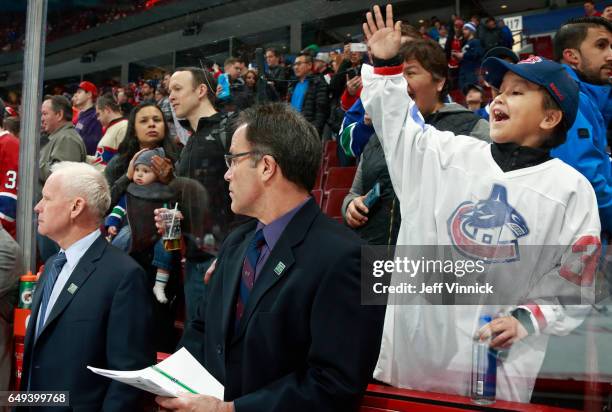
column 487, row 202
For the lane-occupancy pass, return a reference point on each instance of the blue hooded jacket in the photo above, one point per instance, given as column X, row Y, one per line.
column 585, row 147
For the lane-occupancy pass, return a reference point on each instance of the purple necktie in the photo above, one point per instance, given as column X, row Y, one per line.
column 247, row 280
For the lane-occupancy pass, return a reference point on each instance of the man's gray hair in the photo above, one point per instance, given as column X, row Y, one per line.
column 81, row 179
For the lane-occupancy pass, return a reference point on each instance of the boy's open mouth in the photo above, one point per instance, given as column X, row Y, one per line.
column 500, row 116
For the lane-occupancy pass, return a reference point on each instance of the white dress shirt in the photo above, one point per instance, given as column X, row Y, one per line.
column 73, row 255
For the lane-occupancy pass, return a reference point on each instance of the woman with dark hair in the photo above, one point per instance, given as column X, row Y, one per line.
column 252, row 95
column 146, row 129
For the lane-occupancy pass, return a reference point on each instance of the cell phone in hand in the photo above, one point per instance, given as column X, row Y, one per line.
column 359, row 47
column 352, row 73
column 373, row 196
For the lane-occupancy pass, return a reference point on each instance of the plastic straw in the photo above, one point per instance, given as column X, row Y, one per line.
column 173, row 216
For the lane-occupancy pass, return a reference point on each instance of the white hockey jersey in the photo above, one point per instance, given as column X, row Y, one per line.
column 452, row 192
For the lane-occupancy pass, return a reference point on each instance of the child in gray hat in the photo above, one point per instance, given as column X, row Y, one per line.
column 128, row 231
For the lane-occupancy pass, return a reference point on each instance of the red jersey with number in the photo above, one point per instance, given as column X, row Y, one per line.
column 9, row 161
column 456, row 45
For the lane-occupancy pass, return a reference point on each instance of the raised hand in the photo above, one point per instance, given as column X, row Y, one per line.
column 131, row 166
column 383, row 36
column 162, row 166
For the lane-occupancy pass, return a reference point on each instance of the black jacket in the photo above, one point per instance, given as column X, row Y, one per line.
column 202, row 161
column 305, row 341
column 316, row 102
column 490, row 38
column 279, row 77
column 459, row 122
column 338, row 80
column 102, row 318
column 238, row 99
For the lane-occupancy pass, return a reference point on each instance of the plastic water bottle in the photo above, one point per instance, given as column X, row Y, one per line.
column 484, row 369
column 225, row 87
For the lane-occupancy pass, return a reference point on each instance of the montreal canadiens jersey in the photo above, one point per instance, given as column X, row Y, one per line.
column 9, row 160
column 452, row 192
column 109, row 144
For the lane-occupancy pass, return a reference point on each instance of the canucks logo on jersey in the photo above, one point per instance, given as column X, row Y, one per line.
column 489, row 229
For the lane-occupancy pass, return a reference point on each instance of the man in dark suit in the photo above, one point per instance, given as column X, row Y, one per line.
column 282, row 327
column 92, row 305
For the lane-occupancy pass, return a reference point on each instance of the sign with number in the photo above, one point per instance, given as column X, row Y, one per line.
column 514, row 23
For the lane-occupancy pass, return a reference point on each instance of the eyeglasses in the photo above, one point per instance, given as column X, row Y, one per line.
column 230, row 158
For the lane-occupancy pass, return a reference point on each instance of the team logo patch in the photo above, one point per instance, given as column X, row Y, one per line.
column 531, row 60
column 488, row 229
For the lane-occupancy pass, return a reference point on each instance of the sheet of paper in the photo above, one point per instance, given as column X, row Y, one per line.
column 138, row 379
column 183, row 366
column 180, row 372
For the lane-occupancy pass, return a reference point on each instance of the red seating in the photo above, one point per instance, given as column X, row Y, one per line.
column 330, row 161
column 389, row 399
column 330, row 147
column 339, row 178
column 162, row 356
column 332, row 205
column 319, row 179
column 318, row 196
column 330, row 155
column 457, row 96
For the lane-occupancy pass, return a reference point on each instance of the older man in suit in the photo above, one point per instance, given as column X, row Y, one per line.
column 92, row 305
column 282, row 326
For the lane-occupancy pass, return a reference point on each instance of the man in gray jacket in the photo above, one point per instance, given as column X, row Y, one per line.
column 10, row 270
column 65, row 144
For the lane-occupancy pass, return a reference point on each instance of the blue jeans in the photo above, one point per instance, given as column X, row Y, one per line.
column 162, row 259
column 123, row 240
column 195, row 288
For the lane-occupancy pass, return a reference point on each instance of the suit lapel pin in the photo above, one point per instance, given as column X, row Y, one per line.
column 280, row 266
column 72, row 288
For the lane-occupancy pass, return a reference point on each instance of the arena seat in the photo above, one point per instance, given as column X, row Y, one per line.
column 339, row 178
column 332, row 202
column 319, row 180
column 330, row 155
column 318, row 196
column 329, row 147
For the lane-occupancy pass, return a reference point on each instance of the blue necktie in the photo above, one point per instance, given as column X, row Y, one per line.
column 51, row 273
column 249, row 267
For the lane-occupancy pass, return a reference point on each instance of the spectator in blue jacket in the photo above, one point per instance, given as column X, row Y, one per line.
column 470, row 57
column 583, row 45
column 507, row 38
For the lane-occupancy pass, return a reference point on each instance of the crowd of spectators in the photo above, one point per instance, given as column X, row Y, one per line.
column 174, row 144
column 62, row 22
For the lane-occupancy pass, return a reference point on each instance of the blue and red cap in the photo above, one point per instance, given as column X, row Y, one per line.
column 543, row 72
